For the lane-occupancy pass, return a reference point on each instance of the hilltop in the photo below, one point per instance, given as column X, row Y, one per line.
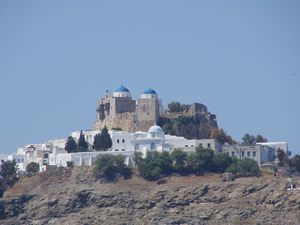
column 73, row 196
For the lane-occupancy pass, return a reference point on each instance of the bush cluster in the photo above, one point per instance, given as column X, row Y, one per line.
column 157, row 164
column 111, row 167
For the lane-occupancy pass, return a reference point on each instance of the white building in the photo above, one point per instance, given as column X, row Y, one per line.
column 85, row 158
column 38, row 153
column 89, row 135
column 154, row 139
column 260, row 153
column 190, row 145
column 276, row 145
column 19, row 158
column 126, row 143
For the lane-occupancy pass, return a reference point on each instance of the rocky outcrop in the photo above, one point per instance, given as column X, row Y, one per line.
column 243, row 201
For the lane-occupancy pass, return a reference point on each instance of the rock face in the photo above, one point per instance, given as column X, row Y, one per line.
column 77, row 199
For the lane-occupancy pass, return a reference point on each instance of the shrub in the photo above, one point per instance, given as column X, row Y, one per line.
column 154, row 164
column 32, row 167
column 295, row 162
column 244, row 168
column 193, row 164
column 282, row 157
column 110, row 167
column 179, row 158
column 149, row 167
column 248, row 167
column 221, row 162
column 9, row 172
column 70, row 164
column 165, row 162
column 201, row 160
column 233, row 168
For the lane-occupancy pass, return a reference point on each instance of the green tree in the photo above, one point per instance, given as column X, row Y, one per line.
column 153, row 165
column 205, row 156
column 201, row 160
column 98, row 142
column 233, row 168
column 175, row 107
column 32, row 167
column 179, row 160
column 107, row 143
column 193, row 164
column 70, row 145
column 165, row 162
column 221, row 162
column 110, row 167
column 248, row 139
column 295, row 162
column 82, row 144
column 221, row 136
column 9, row 172
column 282, row 157
column 102, row 141
column 259, row 139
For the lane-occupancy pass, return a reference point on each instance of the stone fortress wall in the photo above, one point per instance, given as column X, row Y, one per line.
column 119, row 110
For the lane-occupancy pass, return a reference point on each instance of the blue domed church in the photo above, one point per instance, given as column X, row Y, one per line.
column 120, row 111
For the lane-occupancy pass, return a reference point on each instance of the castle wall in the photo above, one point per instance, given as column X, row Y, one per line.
column 126, row 121
column 124, row 104
column 130, row 115
column 147, row 113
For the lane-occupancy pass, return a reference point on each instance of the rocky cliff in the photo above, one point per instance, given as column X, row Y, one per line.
column 68, row 196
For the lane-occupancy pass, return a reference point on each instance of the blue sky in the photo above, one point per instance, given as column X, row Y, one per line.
column 240, row 58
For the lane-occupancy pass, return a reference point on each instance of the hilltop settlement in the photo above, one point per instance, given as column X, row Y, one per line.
column 143, row 164
column 143, row 125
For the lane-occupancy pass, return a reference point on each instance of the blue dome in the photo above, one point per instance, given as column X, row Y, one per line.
column 121, row 89
column 149, row 91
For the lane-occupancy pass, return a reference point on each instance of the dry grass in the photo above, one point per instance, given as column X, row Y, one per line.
column 78, row 178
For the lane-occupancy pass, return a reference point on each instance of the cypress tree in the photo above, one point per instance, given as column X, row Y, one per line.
column 71, row 145
column 102, row 141
column 82, row 144
column 98, row 142
column 107, row 143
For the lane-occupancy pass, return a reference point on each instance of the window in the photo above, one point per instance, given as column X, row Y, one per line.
column 136, row 147
column 208, row 145
column 152, row 147
column 200, row 145
column 232, row 154
column 123, row 140
column 254, row 154
column 248, row 154
column 116, row 150
column 118, row 141
column 243, row 154
column 186, row 146
column 123, row 150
